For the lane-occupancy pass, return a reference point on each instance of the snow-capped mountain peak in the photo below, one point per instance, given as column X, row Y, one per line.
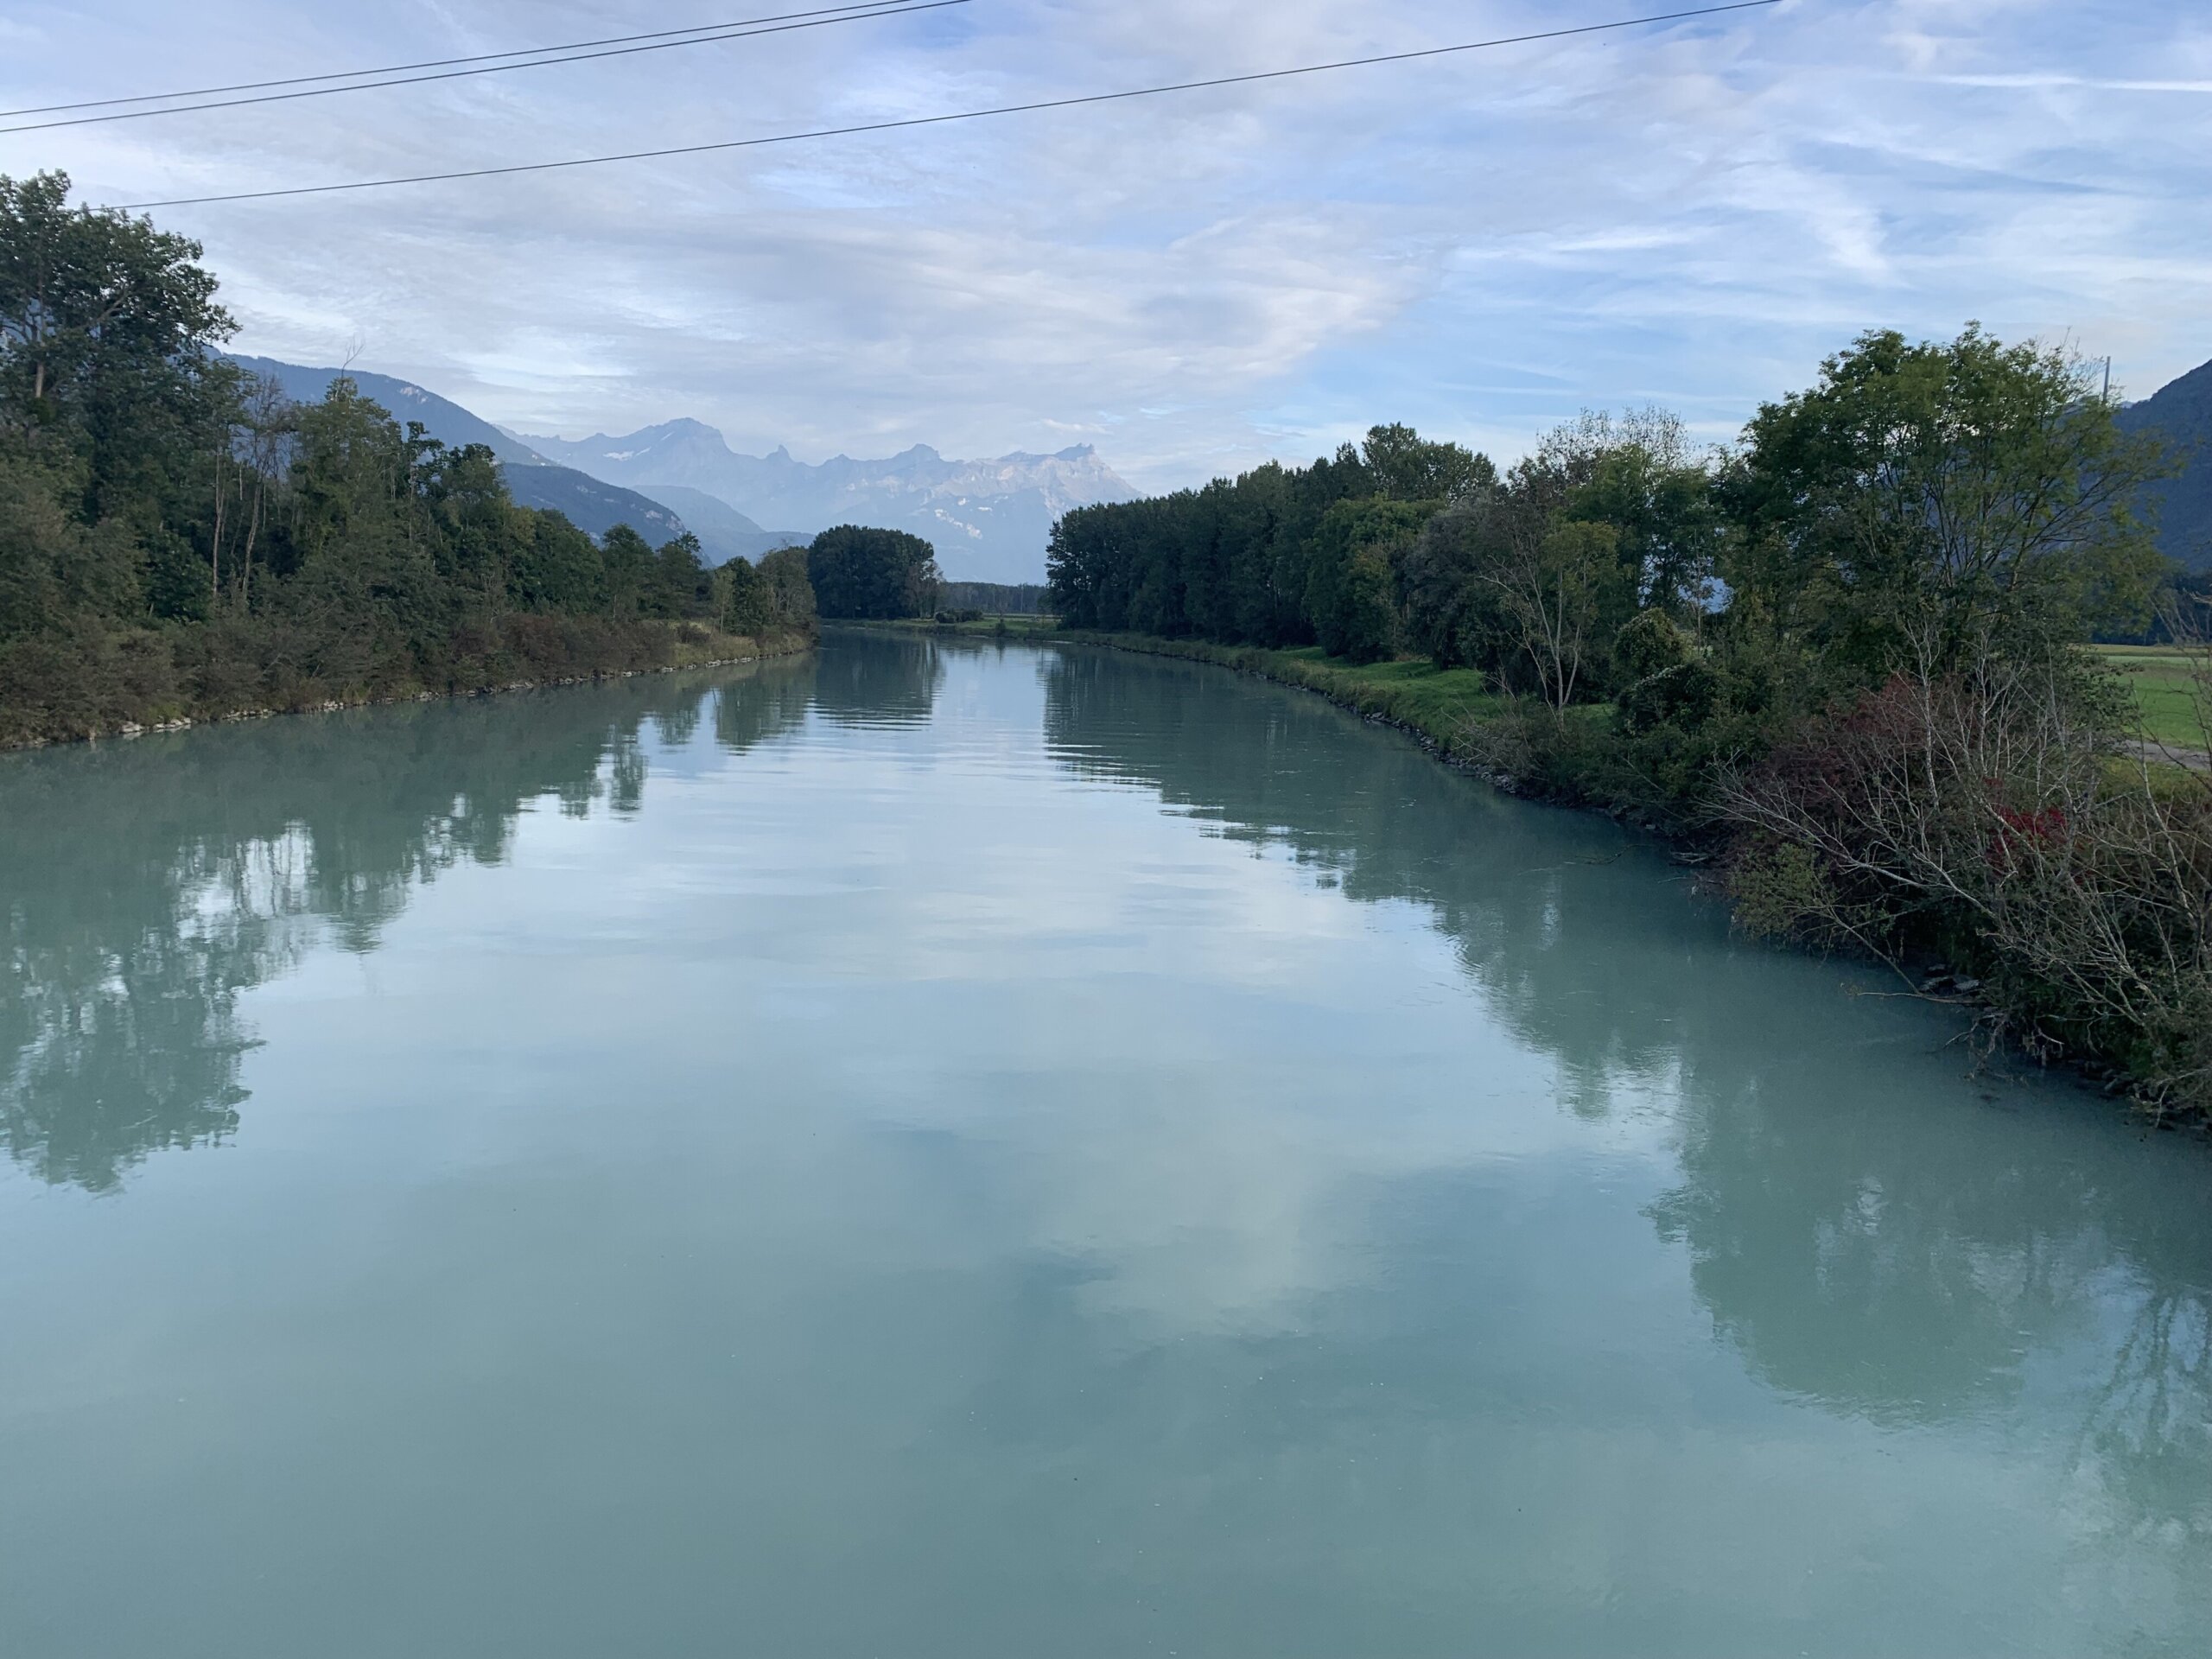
column 989, row 518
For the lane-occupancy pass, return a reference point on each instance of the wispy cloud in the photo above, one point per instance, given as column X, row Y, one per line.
column 1694, row 214
column 2087, row 82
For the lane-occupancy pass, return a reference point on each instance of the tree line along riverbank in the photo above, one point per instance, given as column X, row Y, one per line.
column 1460, row 717
column 1442, row 705
column 179, row 542
column 1850, row 658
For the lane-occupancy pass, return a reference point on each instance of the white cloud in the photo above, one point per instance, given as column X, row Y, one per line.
column 1480, row 244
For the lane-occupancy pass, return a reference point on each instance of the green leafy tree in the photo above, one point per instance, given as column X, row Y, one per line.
column 93, row 305
column 679, row 584
column 476, row 533
column 1924, row 506
column 55, row 571
column 747, row 604
column 559, row 570
column 629, row 561
column 861, row 572
column 1451, row 614
column 1662, row 676
column 1233, row 561
column 176, row 537
column 790, row 590
column 1084, row 579
column 1531, row 582
column 1406, row 466
column 1348, row 593
column 107, row 330
column 773, row 597
column 1561, row 584
column 359, row 541
column 1664, row 507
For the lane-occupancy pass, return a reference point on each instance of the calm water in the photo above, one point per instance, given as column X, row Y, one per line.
column 950, row 1152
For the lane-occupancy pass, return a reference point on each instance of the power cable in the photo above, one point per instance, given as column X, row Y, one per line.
column 961, row 115
column 435, row 63
column 905, row 8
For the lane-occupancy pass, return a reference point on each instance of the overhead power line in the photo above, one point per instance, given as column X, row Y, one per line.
column 731, row 31
column 911, row 122
column 435, row 63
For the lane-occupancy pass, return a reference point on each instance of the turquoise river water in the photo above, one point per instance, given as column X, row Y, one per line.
column 941, row 1150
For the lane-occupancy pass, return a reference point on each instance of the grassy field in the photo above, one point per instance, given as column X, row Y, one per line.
column 1438, row 701
column 2165, row 689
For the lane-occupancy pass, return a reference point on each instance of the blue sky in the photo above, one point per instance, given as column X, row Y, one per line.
column 1692, row 215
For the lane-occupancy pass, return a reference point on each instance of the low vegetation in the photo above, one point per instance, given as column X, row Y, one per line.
column 2164, row 682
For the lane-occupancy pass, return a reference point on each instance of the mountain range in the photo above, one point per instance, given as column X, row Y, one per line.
column 988, row 520
column 2180, row 414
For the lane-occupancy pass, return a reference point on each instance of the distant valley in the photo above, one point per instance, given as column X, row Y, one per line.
column 989, row 520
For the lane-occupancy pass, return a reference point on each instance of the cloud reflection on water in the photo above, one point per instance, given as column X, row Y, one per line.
column 1859, row 1226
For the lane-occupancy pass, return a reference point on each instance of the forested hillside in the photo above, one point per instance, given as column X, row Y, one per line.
column 1846, row 659
column 588, row 503
column 179, row 540
column 2180, row 417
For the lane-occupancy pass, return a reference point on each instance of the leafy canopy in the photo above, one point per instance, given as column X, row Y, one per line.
column 862, row 573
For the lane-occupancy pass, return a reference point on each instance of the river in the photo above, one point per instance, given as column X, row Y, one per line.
column 932, row 1149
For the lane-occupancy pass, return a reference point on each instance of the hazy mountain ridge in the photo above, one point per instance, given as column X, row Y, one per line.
column 724, row 531
column 591, row 503
column 2180, row 414
column 989, row 519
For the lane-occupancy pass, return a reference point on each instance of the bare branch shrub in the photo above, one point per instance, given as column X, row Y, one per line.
column 1992, row 806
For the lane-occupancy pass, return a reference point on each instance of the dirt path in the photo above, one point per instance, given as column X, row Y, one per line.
column 2158, row 753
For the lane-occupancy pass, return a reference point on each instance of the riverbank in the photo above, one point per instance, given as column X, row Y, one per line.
column 1455, row 713
column 84, row 691
column 1942, row 958
column 1452, row 713
column 1442, row 706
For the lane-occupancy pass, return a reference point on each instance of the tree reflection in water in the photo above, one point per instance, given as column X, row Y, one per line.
column 1868, row 1232
column 891, row 682
column 147, row 885
column 1875, row 1233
